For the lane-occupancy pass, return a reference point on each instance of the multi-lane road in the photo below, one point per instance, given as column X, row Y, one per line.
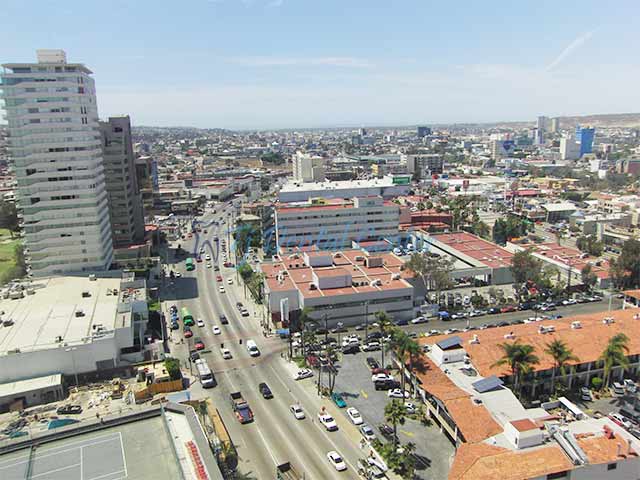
column 275, row 436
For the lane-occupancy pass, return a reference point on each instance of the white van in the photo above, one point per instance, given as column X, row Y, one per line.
column 253, row 348
column 618, row 388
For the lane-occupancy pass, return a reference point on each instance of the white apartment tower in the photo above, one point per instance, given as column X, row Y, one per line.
column 55, row 150
column 307, row 168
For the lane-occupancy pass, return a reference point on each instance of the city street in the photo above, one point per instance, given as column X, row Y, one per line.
column 275, row 436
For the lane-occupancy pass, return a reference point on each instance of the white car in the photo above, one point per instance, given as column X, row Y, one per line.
column 304, row 373
column 336, row 460
column 367, row 432
column 381, row 377
column 207, row 257
column 221, row 289
column 419, row 320
column 328, row 422
column 200, row 322
column 226, row 354
column 230, row 281
column 397, row 393
column 297, row 411
column 216, row 330
column 354, row 416
column 208, row 265
column 410, row 407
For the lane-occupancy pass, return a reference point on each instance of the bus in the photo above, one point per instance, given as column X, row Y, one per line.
column 205, row 374
column 189, row 264
column 187, row 318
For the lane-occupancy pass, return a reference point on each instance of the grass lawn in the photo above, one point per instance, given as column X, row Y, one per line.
column 7, row 260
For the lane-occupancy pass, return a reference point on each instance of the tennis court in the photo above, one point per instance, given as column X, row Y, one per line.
column 98, row 457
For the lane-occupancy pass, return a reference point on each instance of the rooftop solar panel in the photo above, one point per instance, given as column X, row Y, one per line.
column 450, row 342
column 487, row 384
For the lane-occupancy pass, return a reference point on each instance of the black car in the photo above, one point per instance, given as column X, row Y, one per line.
column 339, row 330
column 265, row 390
column 493, row 311
column 194, row 356
column 386, row 431
column 374, row 336
column 69, row 410
column 239, row 305
column 401, row 323
column 223, row 320
column 350, row 349
column 175, row 325
column 373, row 363
column 503, row 324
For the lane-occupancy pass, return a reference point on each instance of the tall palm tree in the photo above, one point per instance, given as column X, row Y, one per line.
column 303, row 320
column 520, row 358
column 399, row 343
column 385, row 325
column 561, row 354
column 615, row 354
column 395, row 413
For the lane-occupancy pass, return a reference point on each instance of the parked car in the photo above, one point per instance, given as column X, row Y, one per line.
column 354, row 416
column 304, row 373
column 367, row 432
column 338, row 400
column 585, row 394
column 397, row 393
column 373, row 363
column 69, row 410
column 351, row 349
column 401, row 323
column 371, row 347
column 420, row 319
column 386, row 431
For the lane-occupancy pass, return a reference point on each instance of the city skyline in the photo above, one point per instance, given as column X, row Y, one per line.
column 260, row 64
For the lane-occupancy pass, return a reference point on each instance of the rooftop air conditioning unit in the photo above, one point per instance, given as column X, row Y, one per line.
column 608, row 320
column 395, row 276
column 475, row 339
column 576, row 325
column 359, row 258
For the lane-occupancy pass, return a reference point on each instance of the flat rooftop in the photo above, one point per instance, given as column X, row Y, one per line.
column 571, row 257
column 140, row 450
column 338, row 185
column 483, row 251
column 50, row 312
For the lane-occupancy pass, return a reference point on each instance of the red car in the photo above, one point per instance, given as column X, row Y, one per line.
column 188, row 333
column 508, row 309
column 379, row 370
column 219, row 278
column 228, row 264
column 199, row 344
column 199, row 259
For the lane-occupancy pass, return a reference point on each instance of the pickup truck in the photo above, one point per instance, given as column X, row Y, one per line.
column 241, row 408
column 285, row 471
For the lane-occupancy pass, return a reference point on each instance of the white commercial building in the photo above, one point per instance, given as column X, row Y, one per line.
column 71, row 325
column 387, row 187
column 569, row 149
column 424, row 165
column 307, row 168
column 55, row 148
column 335, row 225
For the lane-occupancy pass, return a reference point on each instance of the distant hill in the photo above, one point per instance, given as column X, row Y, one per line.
column 605, row 120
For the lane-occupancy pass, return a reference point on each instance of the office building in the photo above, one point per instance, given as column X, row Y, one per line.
column 542, row 123
column 501, row 148
column 538, row 136
column 125, row 199
column 584, row 137
column 569, row 149
column 56, row 152
column 423, row 132
column 555, row 125
column 307, row 168
column 335, row 224
column 422, row 166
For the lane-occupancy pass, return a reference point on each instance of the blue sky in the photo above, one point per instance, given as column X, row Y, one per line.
column 304, row 63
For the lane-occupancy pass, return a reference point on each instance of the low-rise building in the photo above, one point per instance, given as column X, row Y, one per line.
column 388, row 187
column 343, row 286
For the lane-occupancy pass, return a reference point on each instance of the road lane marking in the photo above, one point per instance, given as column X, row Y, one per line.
column 364, row 394
column 408, row 434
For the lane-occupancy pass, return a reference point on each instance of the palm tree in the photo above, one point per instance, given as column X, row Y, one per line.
column 399, row 343
column 384, row 324
column 395, row 413
column 561, row 354
column 520, row 358
column 303, row 320
column 615, row 354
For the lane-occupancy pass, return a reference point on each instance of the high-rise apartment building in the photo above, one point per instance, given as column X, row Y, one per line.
column 125, row 199
column 307, row 168
column 555, row 125
column 569, row 149
column 56, row 152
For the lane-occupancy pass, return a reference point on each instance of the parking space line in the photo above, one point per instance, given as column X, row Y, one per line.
column 364, row 394
column 408, row 434
column 56, row 470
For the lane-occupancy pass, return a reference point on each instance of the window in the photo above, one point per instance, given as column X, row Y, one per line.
column 612, row 466
column 553, row 476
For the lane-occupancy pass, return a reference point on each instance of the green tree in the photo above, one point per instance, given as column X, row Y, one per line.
column 500, row 232
column 385, row 326
column 525, row 266
column 625, row 270
column 520, row 359
column 8, row 216
column 561, row 354
column 614, row 354
column 396, row 414
column 588, row 277
column 172, row 366
column 482, row 230
column 246, row 235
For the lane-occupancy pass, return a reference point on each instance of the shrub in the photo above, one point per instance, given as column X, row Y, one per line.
column 596, row 383
column 172, row 365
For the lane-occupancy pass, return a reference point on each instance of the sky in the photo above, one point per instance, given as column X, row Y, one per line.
column 266, row 64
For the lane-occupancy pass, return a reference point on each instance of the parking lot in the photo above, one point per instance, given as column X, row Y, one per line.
column 433, row 450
